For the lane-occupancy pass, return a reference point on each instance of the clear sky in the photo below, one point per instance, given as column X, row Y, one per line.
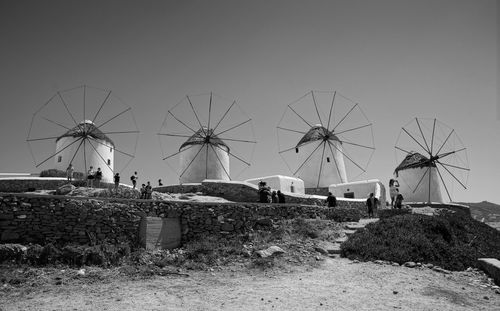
column 398, row 59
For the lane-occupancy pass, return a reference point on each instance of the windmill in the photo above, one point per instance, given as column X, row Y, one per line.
column 325, row 138
column 83, row 126
column 207, row 136
column 430, row 156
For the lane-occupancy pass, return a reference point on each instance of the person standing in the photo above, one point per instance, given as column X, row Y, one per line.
column 134, row 178
column 90, row 177
column 160, row 183
column 399, row 199
column 281, row 197
column 98, row 177
column 331, row 200
column 143, row 191
column 69, row 172
column 393, row 190
column 371, row 204
column 274, row 197
column 149, row 191
column 117, row 181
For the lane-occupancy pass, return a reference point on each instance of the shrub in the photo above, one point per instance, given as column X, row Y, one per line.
column 342, row 214
column 452, row 241
column 58, row 173
column 386, row 213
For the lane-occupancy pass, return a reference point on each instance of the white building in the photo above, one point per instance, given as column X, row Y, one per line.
column 359, row 190
column 100, row 154
column 413, row 185
column 203, row 156
column 282, row 183
column 320, row 169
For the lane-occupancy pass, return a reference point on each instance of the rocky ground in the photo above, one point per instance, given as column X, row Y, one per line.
column 328, row 284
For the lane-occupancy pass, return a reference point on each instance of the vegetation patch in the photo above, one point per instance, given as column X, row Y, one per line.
column 451, row 240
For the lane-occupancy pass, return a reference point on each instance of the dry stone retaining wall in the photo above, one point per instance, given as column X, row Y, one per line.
column 60, row 220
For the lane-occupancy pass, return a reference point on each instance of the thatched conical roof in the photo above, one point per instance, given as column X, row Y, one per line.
column 202, row 136
column 414, row 160
column 317, row 132
column 86, row 128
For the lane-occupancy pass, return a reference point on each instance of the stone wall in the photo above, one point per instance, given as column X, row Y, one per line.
column 41, row 219
column 16, row 185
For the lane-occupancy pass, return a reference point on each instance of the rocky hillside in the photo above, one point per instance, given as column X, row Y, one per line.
column 487, row 210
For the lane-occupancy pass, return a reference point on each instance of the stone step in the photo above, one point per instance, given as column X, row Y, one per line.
column 341, row 240
column 349, row 232
column 354, row 226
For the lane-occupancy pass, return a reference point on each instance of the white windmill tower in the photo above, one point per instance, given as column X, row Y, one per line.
column 325, row 138
column 214, row 135
column 101, row 156
column 106, row 137
column 433, row 157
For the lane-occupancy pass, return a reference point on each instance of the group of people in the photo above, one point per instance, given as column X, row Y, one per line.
column 268, row 196
column 396, row 197
column 146, row 191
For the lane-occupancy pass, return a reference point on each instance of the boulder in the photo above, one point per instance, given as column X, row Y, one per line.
column 410, row 264
column 325, row 247
column 270, row 251
column 65, row 189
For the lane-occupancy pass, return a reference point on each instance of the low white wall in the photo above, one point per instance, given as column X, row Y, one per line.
column 361, row 189
column 282, row 183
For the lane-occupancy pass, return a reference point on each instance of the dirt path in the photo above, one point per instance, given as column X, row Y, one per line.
column 338, row 284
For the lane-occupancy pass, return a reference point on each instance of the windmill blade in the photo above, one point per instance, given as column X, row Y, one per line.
column 423, row 136
column 100, row 156
column 238, row 140
column 334, row 159
column 357, row 145
column 454, row 166
column 290, row 130
column 225, row 113
column 415, row 140
column 422, row 178
column 353, row 129
column 67, row 146
column 181, row 122
column 295, row 147
column 220, row 162
column 174, row 135
column 67, row 109
column 238, row 158
column 445, row 141
column 56, row 123
column 451, row 152
column 408, row 152
column 307, row 159
column 316, row 107
column 433, row 131
column 452, row 175
column 111, row 119
column 321, row 164
column 233, row 127
column 444, row 184
column 114, row 148
column 76, row 152
column 196, row 115
column 349, row 158
column 209, row 110
column 331, row 108
column 192, row 160
column 298, row 115
column 44, row 138
column 178, row 152
column 121, row 132
column 100, row 108
column 345, row 116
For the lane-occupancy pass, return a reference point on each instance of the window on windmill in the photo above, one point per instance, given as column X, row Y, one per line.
column 59, row 158
column 328, row 159
column 110, row 149
column 109, row 162
column 296, row 150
